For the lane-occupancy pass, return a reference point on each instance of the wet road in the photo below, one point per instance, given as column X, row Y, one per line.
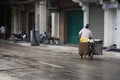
column 33, row 63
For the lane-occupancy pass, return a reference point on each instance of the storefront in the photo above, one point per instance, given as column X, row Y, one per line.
column 94, row 16
column 67, row 21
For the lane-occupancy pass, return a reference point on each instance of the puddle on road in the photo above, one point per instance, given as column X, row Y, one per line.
column 4, row 76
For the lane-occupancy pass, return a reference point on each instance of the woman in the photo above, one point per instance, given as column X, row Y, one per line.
column 85, row 34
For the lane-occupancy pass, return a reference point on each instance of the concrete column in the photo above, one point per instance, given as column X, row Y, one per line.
column 37, row 18
column 58, row 25
column 118, row 28
column 55, row 25
column 85, row 8
column 107, row 28
column 40, row 16
column 14, row 18
column 86, row 14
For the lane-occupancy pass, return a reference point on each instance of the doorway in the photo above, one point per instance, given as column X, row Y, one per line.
column 31, row 22
column 75, row 24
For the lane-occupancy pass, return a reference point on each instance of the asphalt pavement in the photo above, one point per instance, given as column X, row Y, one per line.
column 21, row 61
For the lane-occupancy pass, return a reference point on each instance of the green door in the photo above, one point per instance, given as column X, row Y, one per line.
column 75, row 23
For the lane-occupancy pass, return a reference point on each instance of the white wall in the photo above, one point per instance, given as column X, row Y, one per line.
column 118, row 28
column 114, row 29
column 107, row 28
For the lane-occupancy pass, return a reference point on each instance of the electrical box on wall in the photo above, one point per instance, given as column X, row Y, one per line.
column 53, row 5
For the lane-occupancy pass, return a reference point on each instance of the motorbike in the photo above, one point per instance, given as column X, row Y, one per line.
column 18, row 37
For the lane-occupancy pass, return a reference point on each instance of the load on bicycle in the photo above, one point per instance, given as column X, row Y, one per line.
column 88, row 45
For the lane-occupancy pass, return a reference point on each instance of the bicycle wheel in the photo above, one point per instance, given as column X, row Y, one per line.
column 81, row 55
column 91, row 55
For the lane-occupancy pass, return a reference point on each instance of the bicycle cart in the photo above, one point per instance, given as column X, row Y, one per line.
column 90, row 49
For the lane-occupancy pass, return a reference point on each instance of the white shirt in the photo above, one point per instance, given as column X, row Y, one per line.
column 85, row 33
column 2, row 29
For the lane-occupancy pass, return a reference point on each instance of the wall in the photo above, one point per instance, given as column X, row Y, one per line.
column 107, row 27
column 63, row 32
column 118, row 28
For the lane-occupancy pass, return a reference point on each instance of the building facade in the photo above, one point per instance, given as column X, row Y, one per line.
column 104, row 21
column 63, row 19
column 23, row 15
column 28, row 15
column 111, row 22
column 94, row 16
column 67, row 20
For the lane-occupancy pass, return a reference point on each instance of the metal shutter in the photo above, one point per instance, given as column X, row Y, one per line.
column 96, row 21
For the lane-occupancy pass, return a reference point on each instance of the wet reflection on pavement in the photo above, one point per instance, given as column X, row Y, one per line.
column 31, row 63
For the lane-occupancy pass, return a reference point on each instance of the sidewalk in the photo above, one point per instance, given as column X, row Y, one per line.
column 70, row 49
column 74, row 50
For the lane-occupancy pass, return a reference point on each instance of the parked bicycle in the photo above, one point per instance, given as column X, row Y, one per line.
column 44, row 38
column 18, row 37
